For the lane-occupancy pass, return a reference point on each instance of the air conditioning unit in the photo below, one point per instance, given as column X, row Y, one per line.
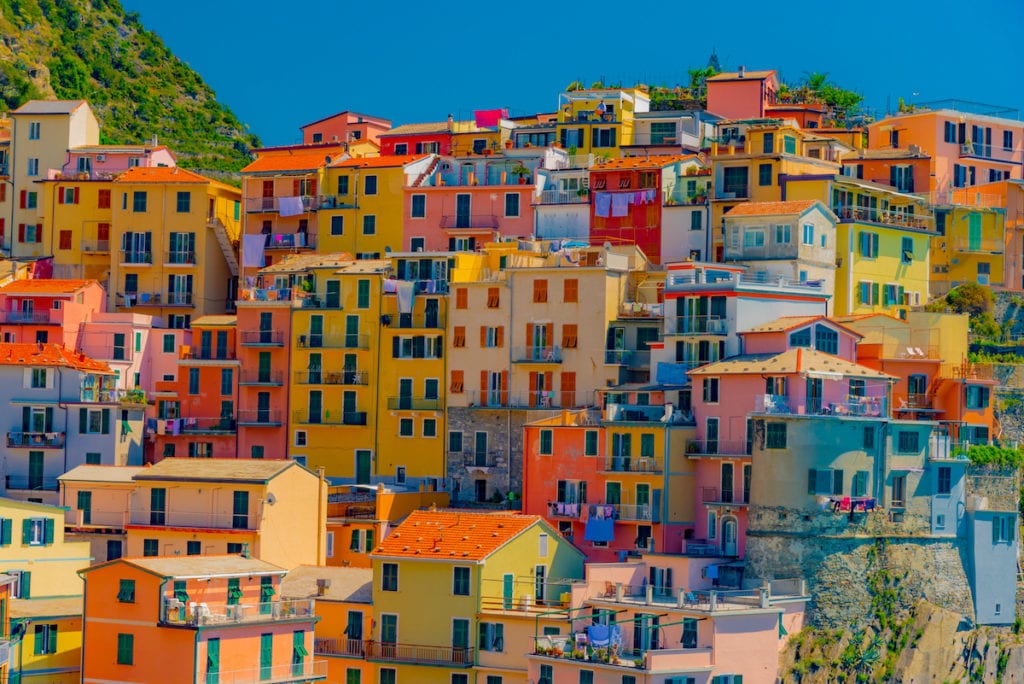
column 966, row 149
column 101, row 157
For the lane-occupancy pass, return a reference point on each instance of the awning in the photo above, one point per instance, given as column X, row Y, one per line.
column 600, row 530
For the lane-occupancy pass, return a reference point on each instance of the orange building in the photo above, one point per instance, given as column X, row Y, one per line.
column 906, row 170
column 44, row 310
column 196, row 412
column 181, row 619
column 344, row 127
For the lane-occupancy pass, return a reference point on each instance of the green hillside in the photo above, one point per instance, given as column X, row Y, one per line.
column 93, row 49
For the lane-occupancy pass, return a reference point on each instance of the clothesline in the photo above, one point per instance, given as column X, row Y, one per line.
column 617, row 203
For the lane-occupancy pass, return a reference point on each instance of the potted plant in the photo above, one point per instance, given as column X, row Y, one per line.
column 508, row 144
column 583, row 192
column 522, row 172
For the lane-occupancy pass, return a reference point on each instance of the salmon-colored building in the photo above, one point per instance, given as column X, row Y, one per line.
column 43, row 310
column 418, row 138
column 742, row 94
column 344, row 127
column 196, row 414
column 906, row 169
column 180, row 619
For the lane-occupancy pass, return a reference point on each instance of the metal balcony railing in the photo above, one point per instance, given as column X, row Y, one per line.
column 415, row 404
column 633, row 464
column 180, row 257
column 417, row 654
column 339, row 647
column 537, row 354
column 261, row 377
column 473, row 221
column 207, row 425
column 306, row 671
column 334, row 341
column 716, row 447
column 723, row 496
column 178, row 299
column 303, row 416
column 620, row 511
column 31, row 483
column 272, row 204
column 36, row 440
column 701, row 325
column 259, row 418
column 207, row 353
column 30, row 317
column 322, row 377
column 563, row 197
column 96, row 246
column 196, row 614
column 205, row 520
column 136, row 257
column 261, row 338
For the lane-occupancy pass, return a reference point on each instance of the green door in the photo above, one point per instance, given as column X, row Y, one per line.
column 506, row 592
column 35, row 470
column 316, row 331
column 85, row 505
column 213, row 661
column 266, row 656
column 240, row 511
column 333, row 298
column 362, row 466
column 348, row 405
column 264, row 367
column 460, row 639
column 158, row 506
column 974, row 232
column 299, row 652
column 352, row 332
column 315, row 406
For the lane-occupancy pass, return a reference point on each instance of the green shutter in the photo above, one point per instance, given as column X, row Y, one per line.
column 51, row 641
column 812, row 481
column 837, row 482
column 48, row 419
column 125, row 648
column 212, row 660
column 5, row 531
column 48, row 531
column 26, row 419
column 995, row 529
column 25, row 588
column 106, row 422
column 83, row 421
column 26, row 531
column 37, row 641
column 180, row 592
column 266, row 655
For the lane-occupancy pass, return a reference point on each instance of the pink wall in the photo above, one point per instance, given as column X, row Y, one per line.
column 485, row 211
column 748, row 646
column 63, row 325
column 739, row 99
column 115, row 162
column 338, row 127
column 773, row 342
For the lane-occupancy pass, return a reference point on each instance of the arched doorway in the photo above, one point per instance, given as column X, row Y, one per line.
column 730, row 532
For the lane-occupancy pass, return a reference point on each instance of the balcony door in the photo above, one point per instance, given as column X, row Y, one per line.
column 362, row 466
column 462, row 210
column 405, row 393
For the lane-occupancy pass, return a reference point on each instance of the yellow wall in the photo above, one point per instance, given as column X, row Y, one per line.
column 62, row 667
column 86, row 259
column 298, row 495
column 386, row 205
column 52, row 566
column 955, row 260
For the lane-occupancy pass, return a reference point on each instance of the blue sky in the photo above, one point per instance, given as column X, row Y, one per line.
column 280, row 66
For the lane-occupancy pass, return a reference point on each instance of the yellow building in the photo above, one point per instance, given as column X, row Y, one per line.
column 193, row 507
column 882, row 243
column 969, row 245
column 97, row 505
column 34, row 550
column 77, row 226
column 344, row 612
column 599, row 121
column 172, row 233
column 49, row 650
column 482, row 579
column 750, row 157
column 361, row 205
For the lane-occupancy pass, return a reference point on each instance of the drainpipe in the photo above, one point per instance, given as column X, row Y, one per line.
column 321, row 552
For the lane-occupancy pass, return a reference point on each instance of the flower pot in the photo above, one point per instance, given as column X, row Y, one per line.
column 508, row 144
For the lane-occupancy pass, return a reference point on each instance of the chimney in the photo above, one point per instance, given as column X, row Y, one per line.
column 741, row 71
column 451, row 122
column 322, row 585
column 155, row 141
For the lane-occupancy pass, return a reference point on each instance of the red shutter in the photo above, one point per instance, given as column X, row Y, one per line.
column 500, row 337
column 3, row 228
column 529, row 339
column 103, row 231
column 76, row 195
column 483, row 386
column 483, row 336
column 60, row 195
column 504, row 388
column 532, row 399
column 568, row 386
column 295, row 187
column 21, row 232
column 39, row 232
column 22, row 199
column 549, row 329
column 312, row 188
column 549, row 384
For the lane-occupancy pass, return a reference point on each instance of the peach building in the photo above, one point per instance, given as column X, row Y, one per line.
column 346, row 127
column 217, row 618
column 43, row 310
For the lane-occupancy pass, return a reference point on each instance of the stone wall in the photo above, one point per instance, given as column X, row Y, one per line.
column 1000, row 487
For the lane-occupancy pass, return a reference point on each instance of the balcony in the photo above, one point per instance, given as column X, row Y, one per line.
column 654, row 660
column 35, row 440
column 334, row 341
column 225, row 425
column 482, row 460
column 412, row 321
column 259, row 418
column 320, row 377
column 727, row 497
column 700, row 325
column 193, row 614
column 261, row 378
column 290, row 241
column 634, row 413
column 130, row 299
column 306, row 671
column 261, row 338
column 471, row 222
column 537, row 354
column 732, row 193
column 136, row 258
column 414, row 404
column 629, row 464
column 886, row 218
column 178, row 299
column 565, row 510
column 96, row 246
column 980, row 246
column 32, row 484
column 338, row 202
column 514, row 400
column 206, row 354
column 180, row 257
column 75, row 517
column 620, row 511
column 304, row 417
column 415, row 654
column 718, row 447
column 627, row 357
column 48, row 317
column 339, row 647
column 854, row 407
column 564, row 197
column 146, row 517
column 272, row 204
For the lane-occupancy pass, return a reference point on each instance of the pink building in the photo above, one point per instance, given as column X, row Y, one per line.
column 742, row 94
column 467, row 201
column 123, row 341
column 44, row 310
column 667, row 618
column 803, row 365
column 344, row 127
column 103, row 162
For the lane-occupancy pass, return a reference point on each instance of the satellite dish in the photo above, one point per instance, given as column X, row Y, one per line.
column 607, row 246
column 387, row 249
column 271, row 499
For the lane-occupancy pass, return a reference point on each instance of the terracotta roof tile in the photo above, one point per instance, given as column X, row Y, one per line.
column 378, row 162
column 214, row 470
column 772, row 208
column 160, row 174
column 418, row 128
column 652, row 162
column 453, row 535
column 44, row 286
column 27, row 354
column 735, row 75
column 790, row 361
column 293, row 160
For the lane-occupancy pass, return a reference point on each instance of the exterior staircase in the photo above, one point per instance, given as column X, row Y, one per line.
column 221, row 233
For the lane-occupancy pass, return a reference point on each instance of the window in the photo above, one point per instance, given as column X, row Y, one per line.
column 1003, row 531
column 460, row 581
column 126, row 591
column 764, row 174
column 125, row 649
column 93, row 458
column 545, row 442
column 710, row 390
column 234, row 591
column 150, row 547
column 590, row 443
column 899, row 490
column 511, row 204
column 389, row 577
column 370, row 185
column 1008, row 141
column 342, row 185
column 977, row 397
column 943, row 480
column 33, row 167
column 46, row 639
column 37, row 531
column 826, row 340
column 808, row 234
column 226, row 381
column 869, row 437
column 387, row 674
column 858, row 387
column 867, row 293
column 775, row 436
column 540, row 291
column 429, row 427
column 907, row 442
column 571, row 290
column 860, row 483
column 193, row 381
column 570, row 335
column 38, row 378
column 696, row 220
column 337, row 225
column 647, row 445
column 825, row 481
column 493, row 297
column 184, row 204
column 33, row 130
column 457, row 382
column 753, row 238
column 193, row 548
column 139, row 198
column 419, row 206
column 492, row 636
column 586, row 677
column 370, row 225
column 405, row 427
column 68, row 195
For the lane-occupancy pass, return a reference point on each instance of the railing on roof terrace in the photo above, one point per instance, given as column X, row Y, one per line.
column 41, row 484
column 273, row 204
column 308, row 670
column 338, row 647
column 628, row 357
column 892, row 218
column 32, row 317
column 417, row 654
column 96, row 246
column 857, row 407
column 180, row 518
column 35, row 440
column 563, row 197
column 261, row 338
column 474, row 221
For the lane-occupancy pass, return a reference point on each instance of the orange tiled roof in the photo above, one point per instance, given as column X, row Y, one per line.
column 797, row 360
column 44, row 286
column 771, row 208
column 653, row 162
column 292, row 160
column 378, row 162
column 787, row 323
column 160, row 174
column 453, row 535
column 26, row 354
